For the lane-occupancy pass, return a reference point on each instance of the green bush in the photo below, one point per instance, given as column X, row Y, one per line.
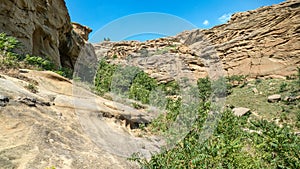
column 237, row 79
column 171, row 88
column 11, row 59
column 204, row 88
column 66, row 72
column 142, row 86
column 39, row 62
column 8, row 43
column 103, row 77
column 236, row 142
column 7, row 54
column 278, row 147
column 127, row 81
column 122, row 79
column 231, row 147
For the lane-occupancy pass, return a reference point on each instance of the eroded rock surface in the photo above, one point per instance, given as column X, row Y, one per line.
column 261, row 42
column 83, row 31
column 44, row 28
column 258, row 43
column 59, row 127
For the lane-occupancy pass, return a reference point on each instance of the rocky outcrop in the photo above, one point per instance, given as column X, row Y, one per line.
column 83, row 31
column 258, row 43
column 262, row 42
column 44, row 28
column 66, row 126
column 163, row 59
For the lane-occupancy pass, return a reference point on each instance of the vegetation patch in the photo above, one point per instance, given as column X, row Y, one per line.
column 10, row 59
column 237, row 142
column 31, row 87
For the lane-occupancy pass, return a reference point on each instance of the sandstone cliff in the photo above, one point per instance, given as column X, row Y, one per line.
column 259, row 43
column 44, row 28
column 64, row 125
column 262, row 42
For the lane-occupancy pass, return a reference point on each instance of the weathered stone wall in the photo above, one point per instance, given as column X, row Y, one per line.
column 260, row 43
column 44, row 28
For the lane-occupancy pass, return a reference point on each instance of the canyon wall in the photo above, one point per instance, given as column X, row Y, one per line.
column 44, row 28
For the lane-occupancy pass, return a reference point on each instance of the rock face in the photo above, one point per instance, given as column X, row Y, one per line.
column 83, row 31
column 44, row 28
column 262, row 42
column 66, row 126
column 258, row 43
column 161, row 58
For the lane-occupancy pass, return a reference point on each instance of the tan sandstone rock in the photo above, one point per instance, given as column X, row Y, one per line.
column 240, row 111
column 274, row 98
column 83, row 31
column 261, row 42
column 258, row 43
column 43, row 27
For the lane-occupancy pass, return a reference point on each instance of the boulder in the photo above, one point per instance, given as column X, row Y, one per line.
column 240, row 111
column 274, row 98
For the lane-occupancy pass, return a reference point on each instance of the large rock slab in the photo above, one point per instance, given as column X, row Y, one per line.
column 67, row 126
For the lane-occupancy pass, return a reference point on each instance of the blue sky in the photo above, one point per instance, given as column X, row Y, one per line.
column 100, row 14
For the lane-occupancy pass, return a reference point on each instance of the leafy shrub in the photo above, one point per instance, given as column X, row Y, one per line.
column 237, row 79
column 257, row 81
column 8, row 43
column 222, row 150
column 204, row 88
column 39, row 62
column 122, row 79
column 231, row 147
column 127, row 81
column 66, row 72
column 278, row 147
column 141, row 87
column 7, row 46
column 171, row 88
column 235, row 143
column 282, row 87
column 103, row 77
column 11, row 59
column 220, row 87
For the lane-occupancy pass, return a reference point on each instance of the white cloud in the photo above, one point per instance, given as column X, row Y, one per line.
column 206, row 22
column 224, row 18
